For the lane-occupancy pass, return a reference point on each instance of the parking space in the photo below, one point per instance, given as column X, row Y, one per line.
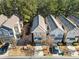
column 68, row 50
column 22, row 51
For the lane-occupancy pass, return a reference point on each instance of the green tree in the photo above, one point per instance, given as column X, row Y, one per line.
column 5, row 7
column 42, row 7
column 28, row 9
column 52, row 6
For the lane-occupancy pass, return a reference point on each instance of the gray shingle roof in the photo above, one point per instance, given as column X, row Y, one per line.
column 38, row 24
column 11, row 22
column 53, row 23
column 68, row 24
column 35, row 23
column 74, row 19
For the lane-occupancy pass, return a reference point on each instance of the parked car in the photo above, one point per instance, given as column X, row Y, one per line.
column 55, row 51
column 4, row 48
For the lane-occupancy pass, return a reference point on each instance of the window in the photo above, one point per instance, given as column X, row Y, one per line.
column 38, row 43
column 60, row 35
column 76, row 36
column 11, row 32
column 58, row 38
column 71, row 38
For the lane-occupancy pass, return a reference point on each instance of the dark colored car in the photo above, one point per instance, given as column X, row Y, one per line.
column 55, row 51
column 4, row 48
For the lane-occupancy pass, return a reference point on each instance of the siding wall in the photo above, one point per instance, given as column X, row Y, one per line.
column 41, row 35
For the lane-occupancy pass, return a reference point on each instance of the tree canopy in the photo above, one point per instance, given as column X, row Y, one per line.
column 27, row 9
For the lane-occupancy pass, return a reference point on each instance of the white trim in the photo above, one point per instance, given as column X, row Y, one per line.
column 19, row 28
column 14, row 34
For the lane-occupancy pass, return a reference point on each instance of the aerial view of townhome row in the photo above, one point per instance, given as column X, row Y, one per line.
column 62, row 30
column 48, row 33
column 10, row 28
